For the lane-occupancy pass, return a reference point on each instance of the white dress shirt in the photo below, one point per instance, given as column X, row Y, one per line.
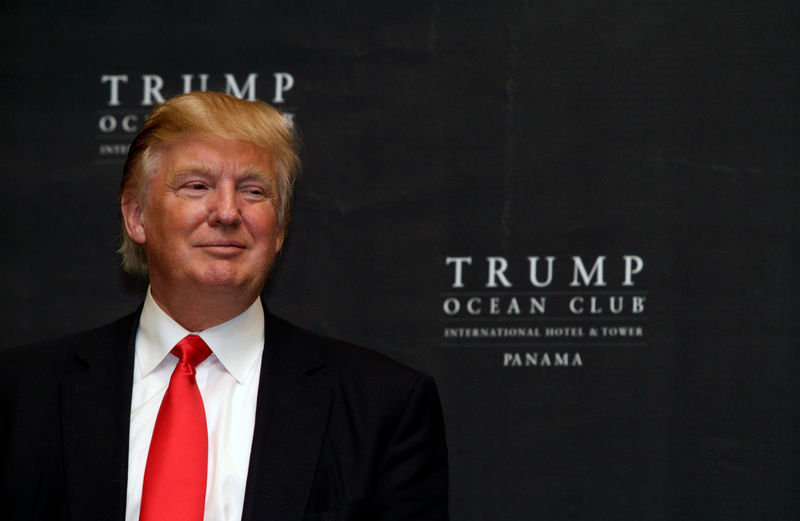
column 228, row 382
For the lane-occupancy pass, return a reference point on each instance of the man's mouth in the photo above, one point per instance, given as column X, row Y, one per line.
column 223, row 248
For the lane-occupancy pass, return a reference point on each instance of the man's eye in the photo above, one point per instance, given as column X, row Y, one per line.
column 255, row 191
column 197, row 186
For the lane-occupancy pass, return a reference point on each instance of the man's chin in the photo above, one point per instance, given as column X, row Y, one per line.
column 226, row 280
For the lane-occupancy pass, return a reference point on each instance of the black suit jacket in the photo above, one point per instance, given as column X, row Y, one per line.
column 341, row 432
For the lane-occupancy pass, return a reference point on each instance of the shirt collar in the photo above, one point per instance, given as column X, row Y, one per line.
column 237, row 343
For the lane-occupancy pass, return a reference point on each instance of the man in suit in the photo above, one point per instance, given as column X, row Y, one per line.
column 203, row 405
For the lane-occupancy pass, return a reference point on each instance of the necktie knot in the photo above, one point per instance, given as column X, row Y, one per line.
column 191, row 350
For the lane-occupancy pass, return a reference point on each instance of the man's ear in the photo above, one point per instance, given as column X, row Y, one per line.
column 132, row 216
column 279, row 239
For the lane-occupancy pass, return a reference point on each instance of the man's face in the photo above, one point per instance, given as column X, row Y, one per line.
column 208, row 220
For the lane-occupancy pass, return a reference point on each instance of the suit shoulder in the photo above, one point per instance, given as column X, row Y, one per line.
column 352, row 361
column 57, row 353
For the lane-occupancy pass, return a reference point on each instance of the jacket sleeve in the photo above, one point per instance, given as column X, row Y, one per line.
column 412, row 481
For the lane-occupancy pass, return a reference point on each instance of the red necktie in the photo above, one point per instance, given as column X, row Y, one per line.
column 174, row 486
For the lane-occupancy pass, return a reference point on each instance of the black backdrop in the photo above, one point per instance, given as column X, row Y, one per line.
column 666, row 134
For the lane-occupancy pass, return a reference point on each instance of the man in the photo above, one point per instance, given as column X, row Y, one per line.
column 203, row 405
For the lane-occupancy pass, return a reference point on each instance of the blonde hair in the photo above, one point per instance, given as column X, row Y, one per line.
column 220, row 115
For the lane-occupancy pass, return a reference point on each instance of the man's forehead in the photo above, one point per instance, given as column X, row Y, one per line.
column 208, row 153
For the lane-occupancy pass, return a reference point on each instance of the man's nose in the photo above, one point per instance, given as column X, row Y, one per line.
column 225, row 210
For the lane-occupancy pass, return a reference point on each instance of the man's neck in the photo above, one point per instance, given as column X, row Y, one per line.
column 197, row 312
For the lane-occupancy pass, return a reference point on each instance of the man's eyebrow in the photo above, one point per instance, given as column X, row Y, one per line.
column 251, row 173
column 259, row 174
column 193, row 168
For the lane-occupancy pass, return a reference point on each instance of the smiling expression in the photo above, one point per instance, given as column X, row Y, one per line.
column 208, row 220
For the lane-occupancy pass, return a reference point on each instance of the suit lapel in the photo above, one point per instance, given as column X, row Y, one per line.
column 291, row 419
column 95, row 405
